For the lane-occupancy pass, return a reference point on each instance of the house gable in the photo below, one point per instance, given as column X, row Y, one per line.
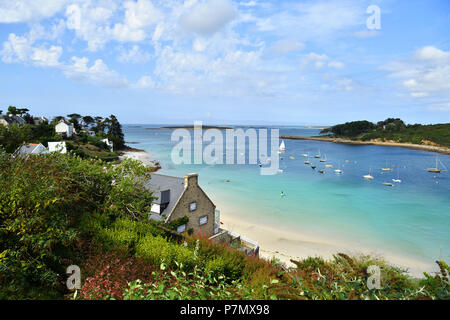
column 204, row 208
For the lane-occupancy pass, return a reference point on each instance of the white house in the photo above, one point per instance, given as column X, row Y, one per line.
column 30, row 148
column 65, row 128
column 59, row 146
column 109, row 144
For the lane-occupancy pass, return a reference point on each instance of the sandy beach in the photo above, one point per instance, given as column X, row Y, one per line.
column 286, row 244
column 145, row 157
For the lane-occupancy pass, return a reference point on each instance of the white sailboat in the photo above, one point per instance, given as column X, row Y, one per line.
column 436, row 169
column 324, row 159
column 369, row 176
column 317, row 155
column 338, row 171
column 282, row 146
column 398, row 176
column 386, row 168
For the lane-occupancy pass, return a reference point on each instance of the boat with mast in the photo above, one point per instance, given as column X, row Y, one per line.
column 317, row 155
column 386, row 168
column 338, row 171
column 324, row 159
column 398, row 176
column 368, row 176
column 282, row 147
column 436, row 169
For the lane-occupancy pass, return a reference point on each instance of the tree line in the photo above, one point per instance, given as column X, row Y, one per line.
column 108, row 127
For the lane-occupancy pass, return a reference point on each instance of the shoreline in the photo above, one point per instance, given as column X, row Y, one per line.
column 143, row 156
column 423, row 147
column 286, row 244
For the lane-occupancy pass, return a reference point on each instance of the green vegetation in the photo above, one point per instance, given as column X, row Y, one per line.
column 81, row 144
column 58, row 210
column 393, row 130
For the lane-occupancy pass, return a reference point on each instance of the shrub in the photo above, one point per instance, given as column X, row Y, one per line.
column 157, row 250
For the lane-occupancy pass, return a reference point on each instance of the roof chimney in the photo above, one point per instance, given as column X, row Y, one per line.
column 190, row 180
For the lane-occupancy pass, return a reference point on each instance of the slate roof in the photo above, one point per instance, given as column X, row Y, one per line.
column 160, row 182
column 26, row 148
column 10, row 119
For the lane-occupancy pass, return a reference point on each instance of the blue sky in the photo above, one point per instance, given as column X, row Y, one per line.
column 224, row 61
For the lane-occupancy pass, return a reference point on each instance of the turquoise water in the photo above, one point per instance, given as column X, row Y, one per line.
column 411, row 218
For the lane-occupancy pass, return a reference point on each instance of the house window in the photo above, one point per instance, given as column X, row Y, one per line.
column 193, row 206
column 203, row 220
column 181, row 228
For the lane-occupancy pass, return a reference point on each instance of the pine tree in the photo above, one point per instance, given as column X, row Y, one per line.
column 115, row 133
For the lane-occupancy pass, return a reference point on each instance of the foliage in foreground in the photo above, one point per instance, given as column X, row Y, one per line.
column 42, row 200
column 57, row 210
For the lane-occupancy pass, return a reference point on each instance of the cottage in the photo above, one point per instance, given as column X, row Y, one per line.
column 178, row 198
column 64, row 128
column 58, row 146
column 109, row 144
column 30, row 148
column 10, row 119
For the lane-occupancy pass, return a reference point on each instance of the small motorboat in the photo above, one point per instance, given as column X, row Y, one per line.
column 313, row 167
column 321, row 171
column 307, row 162
column 388, row 184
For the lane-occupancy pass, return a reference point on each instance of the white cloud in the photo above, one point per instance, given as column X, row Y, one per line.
column 144, row 82
column 47, row 57
column 134, row 55
column 98, row 73
column 336, row 64
column 208, row 17
column 426, row 74
column 284, row 46
column 27, row 10
column 432, row 54
column 16, row 49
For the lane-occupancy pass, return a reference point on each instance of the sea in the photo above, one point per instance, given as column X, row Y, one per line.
column 411, row 218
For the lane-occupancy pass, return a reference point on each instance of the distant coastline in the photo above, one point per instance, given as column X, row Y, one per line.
column 190, row 127
column 424, row 147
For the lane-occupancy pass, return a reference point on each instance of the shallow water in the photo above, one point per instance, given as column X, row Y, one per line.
column 411, row 218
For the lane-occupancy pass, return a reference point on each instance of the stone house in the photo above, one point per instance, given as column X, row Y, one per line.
column 182, row 197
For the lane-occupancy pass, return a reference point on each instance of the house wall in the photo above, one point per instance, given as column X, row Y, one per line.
column 64, row 128
column 192, row 193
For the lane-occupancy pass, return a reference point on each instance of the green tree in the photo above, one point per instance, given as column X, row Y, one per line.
column 115, row 133
column 74, row 119
column 13, row 110
column 88, row 120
